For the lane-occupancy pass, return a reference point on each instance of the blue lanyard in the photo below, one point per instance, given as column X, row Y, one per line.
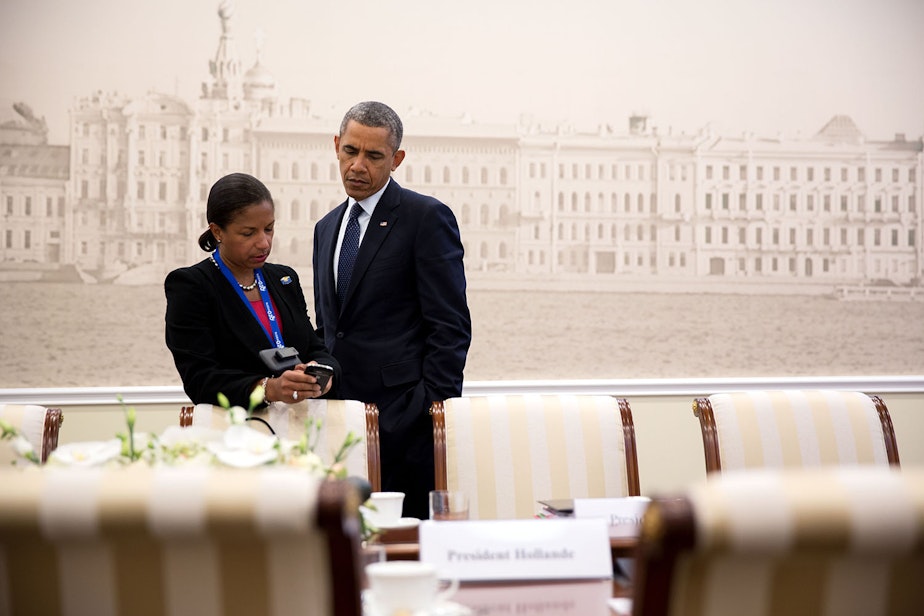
column 276, row 337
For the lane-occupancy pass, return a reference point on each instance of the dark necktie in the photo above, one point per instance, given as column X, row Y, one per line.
column 348, row 251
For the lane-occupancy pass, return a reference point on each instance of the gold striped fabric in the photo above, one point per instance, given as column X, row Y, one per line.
column 164, row 541
column 337, row 417
column 509, row 451
column 796, row 428
column 822, row 541
column 29, row 420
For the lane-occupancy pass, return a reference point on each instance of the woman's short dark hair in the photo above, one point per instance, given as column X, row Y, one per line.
column 228, row 196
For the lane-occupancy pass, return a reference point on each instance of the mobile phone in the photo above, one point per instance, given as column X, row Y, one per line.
column 321, row 372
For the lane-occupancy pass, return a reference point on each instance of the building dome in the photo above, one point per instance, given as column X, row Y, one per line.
column 259, row 76
column 259, row 83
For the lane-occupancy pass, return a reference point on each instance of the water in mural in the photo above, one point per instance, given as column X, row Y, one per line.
column 67, row 335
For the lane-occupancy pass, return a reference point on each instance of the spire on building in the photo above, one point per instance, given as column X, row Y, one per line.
column 226, row 67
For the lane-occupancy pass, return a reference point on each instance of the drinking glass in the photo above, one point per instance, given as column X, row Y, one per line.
column 448, row 505
column 370, row 553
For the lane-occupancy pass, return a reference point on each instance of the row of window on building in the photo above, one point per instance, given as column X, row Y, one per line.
column 615, row 203
column 164, row 132
column 760, row 172
column 53, row 208
column 640, row 261
column 784, row 237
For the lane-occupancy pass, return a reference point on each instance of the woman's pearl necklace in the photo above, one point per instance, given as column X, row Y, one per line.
column 249, row 287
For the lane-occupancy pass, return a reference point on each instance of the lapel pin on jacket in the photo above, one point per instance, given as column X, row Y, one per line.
column 285, row 279
column 384, row 223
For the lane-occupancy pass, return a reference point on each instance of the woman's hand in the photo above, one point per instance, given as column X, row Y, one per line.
column 294, row 385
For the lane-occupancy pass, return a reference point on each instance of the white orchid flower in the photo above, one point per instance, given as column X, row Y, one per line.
column 244, row 447
column 237, row 415
column 90, row 453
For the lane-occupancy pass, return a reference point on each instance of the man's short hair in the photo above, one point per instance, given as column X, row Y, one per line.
column 376, row 115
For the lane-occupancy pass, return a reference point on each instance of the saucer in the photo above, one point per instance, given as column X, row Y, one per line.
column 402, row 523
column 446, row 608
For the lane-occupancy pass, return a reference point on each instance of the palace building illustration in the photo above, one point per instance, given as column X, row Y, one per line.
column 124, row 201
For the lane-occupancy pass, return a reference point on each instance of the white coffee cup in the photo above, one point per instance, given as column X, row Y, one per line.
column 385, row 508
column 406, row 585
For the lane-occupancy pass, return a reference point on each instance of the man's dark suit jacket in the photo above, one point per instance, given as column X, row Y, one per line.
column 216, row 340
column 403, row 333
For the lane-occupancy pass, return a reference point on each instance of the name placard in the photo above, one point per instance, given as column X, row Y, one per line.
column 476, row 550
column 622, row 515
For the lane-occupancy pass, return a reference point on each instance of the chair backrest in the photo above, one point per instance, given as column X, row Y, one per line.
column 509, row 451
column 795, row 428
column 38, row 424
column 793, row 542
column 174, row 540
column 337, row 417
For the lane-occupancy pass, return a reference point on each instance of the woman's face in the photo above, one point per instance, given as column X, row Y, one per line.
column 246, row 242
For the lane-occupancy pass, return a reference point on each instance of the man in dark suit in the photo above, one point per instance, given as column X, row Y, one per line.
column 400, row 327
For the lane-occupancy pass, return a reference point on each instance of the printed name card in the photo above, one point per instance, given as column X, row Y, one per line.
column 623, row 515
column 518, row 549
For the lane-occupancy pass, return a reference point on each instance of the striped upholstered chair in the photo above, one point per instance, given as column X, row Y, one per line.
column 509, row 451
column 338, row 417
column 38, row 424
column 167, row 541
column 786, row 542
column 795, row 428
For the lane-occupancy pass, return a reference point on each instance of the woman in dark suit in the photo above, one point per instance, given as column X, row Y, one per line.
column 224, row 310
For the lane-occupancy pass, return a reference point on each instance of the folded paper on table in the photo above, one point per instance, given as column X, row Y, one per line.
column 482, row 550
column 558, row 507
column 623, row 515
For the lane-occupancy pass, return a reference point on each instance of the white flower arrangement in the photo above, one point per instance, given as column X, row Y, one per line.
column 238, row 446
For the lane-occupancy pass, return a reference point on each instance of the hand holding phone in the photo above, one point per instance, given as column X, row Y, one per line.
column 321, row 372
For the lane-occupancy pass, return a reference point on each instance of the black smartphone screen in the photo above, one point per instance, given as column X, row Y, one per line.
column 321, row 372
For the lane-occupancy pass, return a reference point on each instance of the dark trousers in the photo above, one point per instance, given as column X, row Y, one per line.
column 406, row 440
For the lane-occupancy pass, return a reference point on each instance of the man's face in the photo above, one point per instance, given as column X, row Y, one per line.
column 366, row 159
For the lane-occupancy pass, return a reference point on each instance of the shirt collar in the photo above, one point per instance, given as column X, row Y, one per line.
column 368, row 204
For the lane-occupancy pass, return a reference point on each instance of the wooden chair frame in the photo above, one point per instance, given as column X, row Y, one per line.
column 53, row 420
column 668, row 529
column 371, row 439
column 438, row 412
column 702, row 409
column 337, row 507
